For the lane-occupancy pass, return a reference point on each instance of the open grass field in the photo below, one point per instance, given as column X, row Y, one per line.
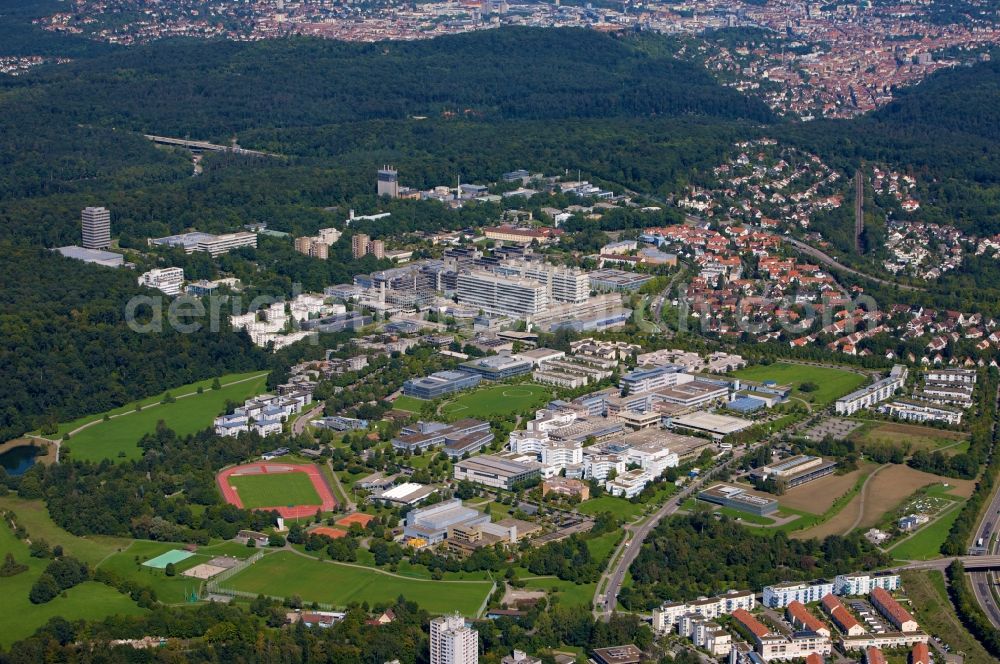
column 936, row 615
column 617, row 506
column 407, row 403
column 284, row 574
column 275, row 490
column 34, row 516
column 600, row 547
column 498, row 400
column 20, row 618
column 926, row 542
column 833, row 383
column 169, row 589
column 915, row 436
column 118, row 437
column 886, row 489
column 566, row 593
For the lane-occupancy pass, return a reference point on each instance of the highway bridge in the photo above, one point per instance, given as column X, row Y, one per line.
column 205, row 146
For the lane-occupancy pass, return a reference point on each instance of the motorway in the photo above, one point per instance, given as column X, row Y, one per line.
column 982, row 581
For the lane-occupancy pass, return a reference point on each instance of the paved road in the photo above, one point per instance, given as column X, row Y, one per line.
column 302, row 421
column 825, row 258
column 981, row 581
column 628, row 550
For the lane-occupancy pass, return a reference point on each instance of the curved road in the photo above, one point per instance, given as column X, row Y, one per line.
column 822, row 257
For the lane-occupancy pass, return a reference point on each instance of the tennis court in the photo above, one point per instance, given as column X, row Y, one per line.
column 164, row 559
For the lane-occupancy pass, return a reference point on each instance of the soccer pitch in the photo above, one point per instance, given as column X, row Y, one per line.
column 275, row 490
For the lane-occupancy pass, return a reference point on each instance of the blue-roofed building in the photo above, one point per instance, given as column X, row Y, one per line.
column 441, row 383
column 746, row 404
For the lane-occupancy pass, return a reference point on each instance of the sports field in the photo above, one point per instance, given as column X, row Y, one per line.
column 284, row 574
column 187, row 415
column 498, row 400
column 832, row 383
column 409, row 404
column 275, row 490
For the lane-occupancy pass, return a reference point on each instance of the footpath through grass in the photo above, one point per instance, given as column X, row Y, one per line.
column 19, row 618
column 118, row 437
column 284, row 574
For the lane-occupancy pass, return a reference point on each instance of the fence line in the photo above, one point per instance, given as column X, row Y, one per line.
column 212, row 585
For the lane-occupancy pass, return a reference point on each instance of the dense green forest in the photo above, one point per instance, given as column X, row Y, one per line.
column 67, row 352
column 700, row 554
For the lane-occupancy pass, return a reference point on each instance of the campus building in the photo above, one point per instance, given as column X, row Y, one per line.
column 496, row 471
column 498, row 367
column 96, row 223
column 214, row 245
column 501, row 296
column 872, row 394
column 440, row 383
column 795, row 471
column 461, row 437
column 431, row 524
column 738, row 498
column 562, row 284
column 167, row 279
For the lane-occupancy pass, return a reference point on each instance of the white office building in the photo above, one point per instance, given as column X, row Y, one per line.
column 453, row 642
column 96, row 228
column 872, row 394
column 562, row 284
column 167, row 279
column 502, row 296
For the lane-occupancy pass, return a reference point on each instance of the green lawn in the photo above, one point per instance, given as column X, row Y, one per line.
column 284, row 574
column 277, row 490
column 20, row 618
column 107, row 439
column 833, row 383
column 620, row 507
column 600, row 547
column 498, row 400
column 409, row 404
column 34, row 516
column 566, row 593
column 927, row 541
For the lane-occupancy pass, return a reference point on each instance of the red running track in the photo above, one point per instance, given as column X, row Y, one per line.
column 230, row 495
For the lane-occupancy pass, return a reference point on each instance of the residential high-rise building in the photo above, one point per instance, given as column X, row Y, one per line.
column 96, row 228
column 388, row 182
column 359, row 245
column 453, row 642
column 504, row 296
column 377, row 248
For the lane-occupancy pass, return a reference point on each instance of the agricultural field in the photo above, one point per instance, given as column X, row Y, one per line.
column 20, row 618
column 118, row 437
column 913, row 436
column 936, row 615
column 884, row 490
column 498, row 400
column 819, row 495
column 285, row 574
column 831, row 383
column 275, row 490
